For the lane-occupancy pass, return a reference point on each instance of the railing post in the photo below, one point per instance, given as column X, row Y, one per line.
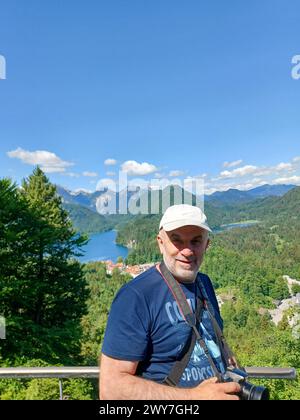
column 61, row 396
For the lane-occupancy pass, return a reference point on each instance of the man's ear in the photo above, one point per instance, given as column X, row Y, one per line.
column 160, row 239
column 208, row 244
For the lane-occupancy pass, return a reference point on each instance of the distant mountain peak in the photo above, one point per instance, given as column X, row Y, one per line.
column 232, row 196
column 81, row 191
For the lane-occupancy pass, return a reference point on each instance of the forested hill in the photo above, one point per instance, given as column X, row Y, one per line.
column 86, row 220
column 140, row 234
column 228, row 207
column 283, row 212
column 233, row 196
column 266, row 209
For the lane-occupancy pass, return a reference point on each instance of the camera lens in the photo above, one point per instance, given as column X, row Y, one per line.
column 252, row 392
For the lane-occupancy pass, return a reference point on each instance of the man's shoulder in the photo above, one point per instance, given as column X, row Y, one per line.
column 210, row 291
column 204, row 278
column 206, row 283
column 144, row 281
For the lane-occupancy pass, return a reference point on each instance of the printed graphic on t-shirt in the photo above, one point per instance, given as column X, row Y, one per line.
column 198, row 368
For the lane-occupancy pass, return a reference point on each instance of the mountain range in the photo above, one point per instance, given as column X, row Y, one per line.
column 231, row 196
column 278, row 218
column 234, row 196
column 220, row 206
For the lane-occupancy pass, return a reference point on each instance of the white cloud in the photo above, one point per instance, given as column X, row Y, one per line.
column 104, row 183
column 250, row 176
column 134, row 168
column 110, row 162
column 81, row 190
column 90, row 174
column 194, row 185
column 287, row 180
column 225, row 174
column 284, row 167
column 176, row 173
column 48, row 161
column 264, row 171
column 239, row 172
column 52, row 169
column 163, row 182
column 232, row 164
column 256, row 171
column 248, row 185
column 159, row 175
column 138, row 183
column 215, row 188
column 209, row 191
column 72, row 174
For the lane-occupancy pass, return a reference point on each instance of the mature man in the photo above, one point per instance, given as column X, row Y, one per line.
column 147, row 333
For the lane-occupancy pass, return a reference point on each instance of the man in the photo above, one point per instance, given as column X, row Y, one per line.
column 146, row 331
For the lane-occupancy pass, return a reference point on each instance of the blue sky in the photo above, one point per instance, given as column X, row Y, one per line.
column 163, row 88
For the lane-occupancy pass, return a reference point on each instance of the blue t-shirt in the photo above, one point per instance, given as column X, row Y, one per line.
column 145, row 325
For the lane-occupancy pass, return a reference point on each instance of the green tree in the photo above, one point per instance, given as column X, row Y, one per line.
column 44, row 293
column 295, row 289
column 14, row 222
column 102, row 289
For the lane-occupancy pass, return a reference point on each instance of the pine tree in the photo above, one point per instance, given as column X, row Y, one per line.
column 46, row 295
column 13, row 239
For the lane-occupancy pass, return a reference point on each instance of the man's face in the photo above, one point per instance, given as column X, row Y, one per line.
column 183, row 250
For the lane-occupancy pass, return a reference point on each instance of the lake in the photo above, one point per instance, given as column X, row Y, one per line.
column 102, row 246
column 229, row 226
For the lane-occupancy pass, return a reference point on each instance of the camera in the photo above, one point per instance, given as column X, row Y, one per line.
column 248, row 390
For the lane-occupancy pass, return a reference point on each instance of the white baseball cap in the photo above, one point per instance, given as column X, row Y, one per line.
column 182, row 215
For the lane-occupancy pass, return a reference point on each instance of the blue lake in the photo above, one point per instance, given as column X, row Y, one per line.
column 235, row 225
column 102, row 246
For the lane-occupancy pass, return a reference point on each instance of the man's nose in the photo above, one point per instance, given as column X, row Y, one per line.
column 187, row 251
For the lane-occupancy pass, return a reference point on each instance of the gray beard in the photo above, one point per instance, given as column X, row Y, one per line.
column 181, row 279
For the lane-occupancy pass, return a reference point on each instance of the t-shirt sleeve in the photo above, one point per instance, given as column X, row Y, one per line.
column 127, row 329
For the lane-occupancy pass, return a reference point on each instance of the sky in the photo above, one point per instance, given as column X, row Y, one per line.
column 155, row 89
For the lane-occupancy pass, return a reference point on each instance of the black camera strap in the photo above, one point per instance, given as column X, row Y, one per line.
column 226, row 352
column 181, row 363
column 193, row 320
